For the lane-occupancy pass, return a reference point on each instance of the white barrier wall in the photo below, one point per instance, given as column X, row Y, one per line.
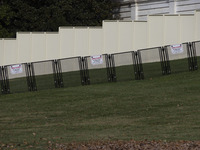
column 1, row 52
column 81, row 46
column 187, row 28
column 67, row 36
column 52, row 45
column 155, row 30
column 112, row 37
column 24, row 40
column 125, row 35
column 96, row 41
column 140, row 35
column 171, row 29
column 197, row 25
column 38, row 50
column 10, row 52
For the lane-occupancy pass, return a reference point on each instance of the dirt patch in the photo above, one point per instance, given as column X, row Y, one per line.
column 129, row 145
column 108, row 145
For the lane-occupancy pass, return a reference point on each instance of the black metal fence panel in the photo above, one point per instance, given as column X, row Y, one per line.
column 71, row 72
column 124, row 66
column 178, row 59
column 138, row 66
column 197, row 46
column 44, row 75
column 97, row 69
column 4, row 80
column 17, row 78
column 142, row 64
column 152, row 66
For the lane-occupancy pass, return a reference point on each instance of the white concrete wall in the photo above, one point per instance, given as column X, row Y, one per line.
column 24, row 40
column 52, row 45
column 171, row 29
column 96, row 41
column 67, row 43
column 197, row 25
column 125, row 30
column 113, row 37
column 10, row 52
column 1, row 52
column 38, row 50
column 155, row 30
column 81, row 46
column 110, row 36
column 140, row 35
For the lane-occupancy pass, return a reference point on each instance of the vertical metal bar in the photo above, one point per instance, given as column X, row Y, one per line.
column 141, row 66
column 161, row 59
column 192, row 57
column 164, row 61
column 87, row 71
column 3, row 77
column 27, row 76
column 189, row 56
column 54, row 73
column 81, row 70
column 57, row 74
column 195, row 55
column 134, row 65
column 114, row 77
column 110, row 70
column 138, row 67
column 33, row 77
column 60, row 74
column 5, row 86
column 30, row 77
column 1, row 80
column 84, row 73
column 107, row 67
column 7, row 80
column 137, row 64
column 167, row 58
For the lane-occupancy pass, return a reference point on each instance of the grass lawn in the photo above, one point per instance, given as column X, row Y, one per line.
column 157, row 108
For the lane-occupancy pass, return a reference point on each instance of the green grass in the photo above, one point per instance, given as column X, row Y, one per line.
column 158, row 108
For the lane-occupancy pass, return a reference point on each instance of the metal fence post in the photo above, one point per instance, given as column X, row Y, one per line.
column 57, row 72
column 164, row 60
column 5, row 86
column 84, row 72
column 192, row 58
column 110, row 65
column 30, row 76
column 137, row 65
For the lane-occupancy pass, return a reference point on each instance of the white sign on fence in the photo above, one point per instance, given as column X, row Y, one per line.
column 16, row 69
column 176, row 49
column 96, row 60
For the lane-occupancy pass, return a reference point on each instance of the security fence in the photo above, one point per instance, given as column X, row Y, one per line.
column 132, row 65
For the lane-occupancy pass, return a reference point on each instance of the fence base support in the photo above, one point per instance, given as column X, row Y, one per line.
column 5, row 86
column 110, row 66
column 192, row 57
column 164, row 60
column 30, row 76
column 57, row 72
column 137, row 65
column 84, row 72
